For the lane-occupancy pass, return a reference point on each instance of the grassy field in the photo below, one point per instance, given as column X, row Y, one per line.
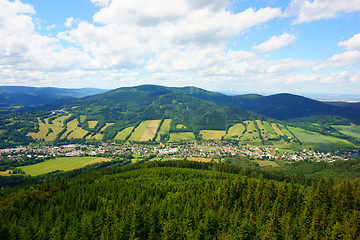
column 212, row 134
column 92, row 124
column 62, row 163
column 353, row 130
column 277, row 130
column 76, row 132
column 139, row 131
column 285, row 131
column 251, row 133
column 106, row 126
column 164, row 129
column 82, row 118
column 180, row 126
column 181, row 136
column 124, row 133
column 150, row 131
column 235, row 130
column 56, row 126
column 318, row 141
column 5, row 173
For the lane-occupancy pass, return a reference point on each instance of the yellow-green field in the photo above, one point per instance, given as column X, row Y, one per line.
column 150, row 131
column 352, row 130
column 212, row 134
column 123, row 134
column 198, row 159
column 317, row 141
column 180, row 126
column 145, row 131
column 61, row 163
column 251, row 133
column 164, row 129
column 285, row 131
column 277, row 129
column 5, row 173
column 235, row 131
column 82, row 118
column 106, row 126
column 76, row 132
column 92, row 124
column 182, row 136
column 57, row 126
column 97, row 136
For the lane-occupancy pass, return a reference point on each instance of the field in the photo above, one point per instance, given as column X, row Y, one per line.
column 74, row 131
column 235, row 131
column 285, row 131
column 92, row 124
column 164, row 129
column 145, row 131
column 5, row 173
column 317, row 141
column 106, row 126
column 353, row 130
column 56, row 126
column 212, row 134
column 251, row 133
column 181, row 136
column 276, row 129
column 123, row 134
column 61, row 163
column 180, row 126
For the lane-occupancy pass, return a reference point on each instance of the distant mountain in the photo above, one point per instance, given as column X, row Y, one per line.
column 15, row 97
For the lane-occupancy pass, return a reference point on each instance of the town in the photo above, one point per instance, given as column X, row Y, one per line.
column 197, row 150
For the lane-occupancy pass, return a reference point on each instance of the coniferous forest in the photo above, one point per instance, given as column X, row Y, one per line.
column 181, row 200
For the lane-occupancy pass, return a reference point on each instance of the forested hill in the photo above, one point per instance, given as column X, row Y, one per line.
column 180, row 200
column 16, row 97
column 133, row 104
column 151, row 101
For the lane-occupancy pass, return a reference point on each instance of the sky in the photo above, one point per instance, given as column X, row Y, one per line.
column 267, row 46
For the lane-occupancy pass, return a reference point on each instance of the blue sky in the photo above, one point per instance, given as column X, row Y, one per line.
column 267, row 46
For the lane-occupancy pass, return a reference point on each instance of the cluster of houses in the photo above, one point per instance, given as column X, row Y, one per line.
column 202, row 149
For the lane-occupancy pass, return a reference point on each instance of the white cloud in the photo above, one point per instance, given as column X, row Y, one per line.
column 347, row 58
column 276, row 42
column 352, row 43
column 22, row 48
column 307, row 11
column 101, row 3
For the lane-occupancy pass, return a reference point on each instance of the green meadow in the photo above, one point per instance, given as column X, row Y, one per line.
column 352, row 130
column 61, row 163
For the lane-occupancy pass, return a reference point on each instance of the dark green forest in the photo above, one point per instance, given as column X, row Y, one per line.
column 181, row 200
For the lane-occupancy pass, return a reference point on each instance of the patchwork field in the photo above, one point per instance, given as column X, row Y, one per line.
column 56, row 126
column 277, row 130
column 182, row 136
column 62, row 163
column 235, row 132
column 73, row 131
column 318, row 141
column 212, row 134
column 164, row 129
column 123, row 134
column 251, row 133
column 352, row 130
